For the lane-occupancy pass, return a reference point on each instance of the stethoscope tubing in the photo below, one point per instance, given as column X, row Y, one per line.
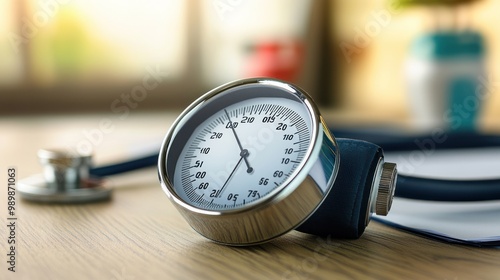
column 407, row 186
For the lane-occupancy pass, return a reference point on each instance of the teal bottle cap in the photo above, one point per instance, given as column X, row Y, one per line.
column 448, row 45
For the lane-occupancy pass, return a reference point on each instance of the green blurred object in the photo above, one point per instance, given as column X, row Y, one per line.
column 70, row 43
column 408, row 3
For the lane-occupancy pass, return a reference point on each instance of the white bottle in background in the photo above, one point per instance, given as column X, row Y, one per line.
column 443, row 74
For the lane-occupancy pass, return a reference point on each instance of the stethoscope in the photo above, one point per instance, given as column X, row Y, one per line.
column 254, row 159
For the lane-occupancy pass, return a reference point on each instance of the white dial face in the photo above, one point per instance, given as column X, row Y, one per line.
column 242, row 152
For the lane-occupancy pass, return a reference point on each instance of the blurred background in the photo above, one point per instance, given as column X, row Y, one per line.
column 76, row 56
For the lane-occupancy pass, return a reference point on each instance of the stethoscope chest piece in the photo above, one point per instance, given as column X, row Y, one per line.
column 65, row 179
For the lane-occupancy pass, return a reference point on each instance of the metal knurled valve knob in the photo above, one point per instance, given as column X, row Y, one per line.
column 386, row 188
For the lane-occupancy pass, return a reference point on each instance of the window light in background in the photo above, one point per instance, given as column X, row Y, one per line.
column 102, row 41
column 10, row 59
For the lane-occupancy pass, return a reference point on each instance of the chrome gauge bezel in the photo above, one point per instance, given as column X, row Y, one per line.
column 280, row 211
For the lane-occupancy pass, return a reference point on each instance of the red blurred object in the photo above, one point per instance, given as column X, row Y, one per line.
column 276, row 59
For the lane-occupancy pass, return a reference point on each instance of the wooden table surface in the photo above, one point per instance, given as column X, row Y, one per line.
column 139, row 235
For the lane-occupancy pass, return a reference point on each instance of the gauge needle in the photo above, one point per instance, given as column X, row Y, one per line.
column 229, row 178
column 243, row 152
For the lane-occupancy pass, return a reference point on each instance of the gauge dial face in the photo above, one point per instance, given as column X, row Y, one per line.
column 241, row 152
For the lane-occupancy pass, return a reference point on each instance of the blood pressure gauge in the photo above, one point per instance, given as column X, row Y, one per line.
column 248, row 161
